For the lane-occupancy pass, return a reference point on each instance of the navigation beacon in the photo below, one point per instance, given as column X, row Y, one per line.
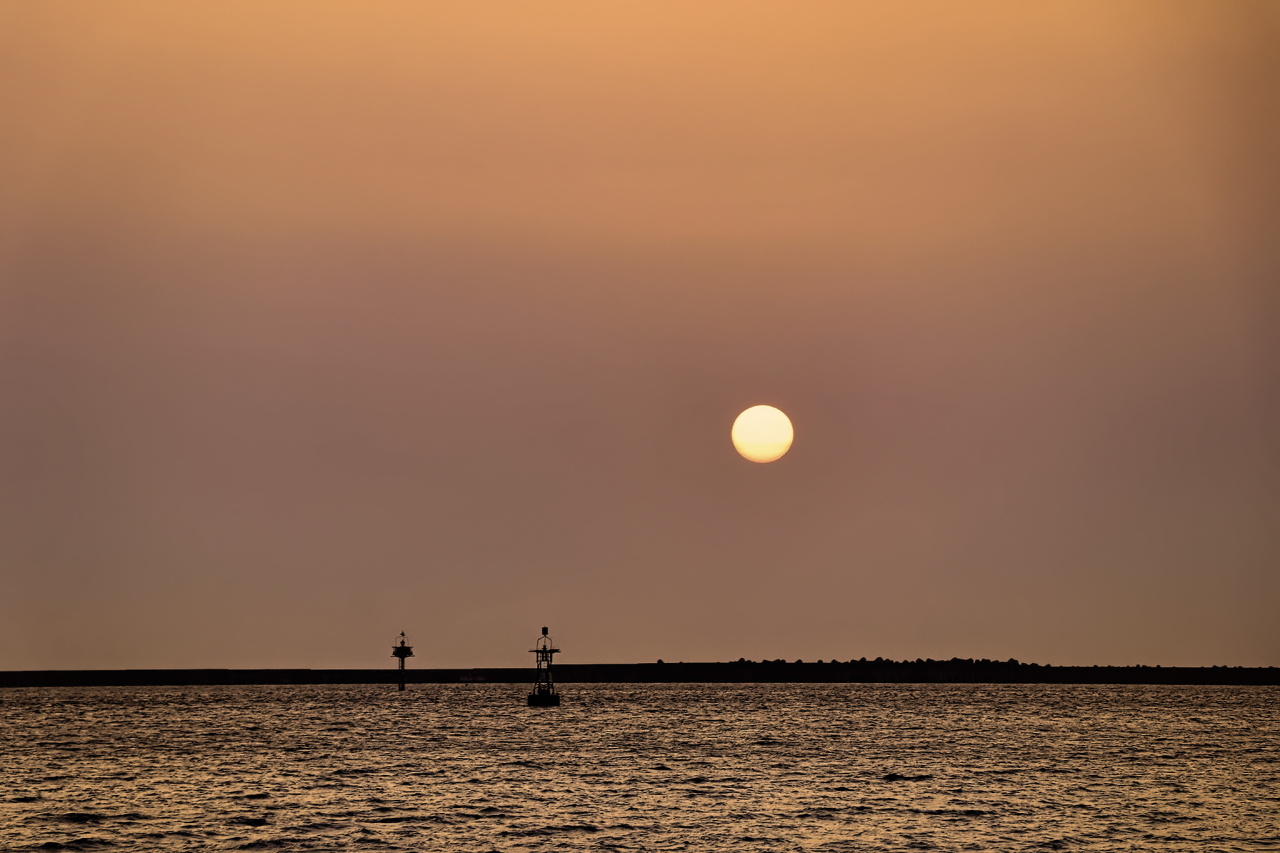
column 402, row 651
column 544, row 693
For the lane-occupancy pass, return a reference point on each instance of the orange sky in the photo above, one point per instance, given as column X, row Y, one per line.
column 323, row 321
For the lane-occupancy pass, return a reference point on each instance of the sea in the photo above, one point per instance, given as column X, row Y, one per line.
column 641, row 767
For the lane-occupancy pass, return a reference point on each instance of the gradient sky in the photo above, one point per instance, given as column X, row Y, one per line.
column 323, row 321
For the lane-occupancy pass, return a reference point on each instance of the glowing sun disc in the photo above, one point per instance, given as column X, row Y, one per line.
column 762, row 434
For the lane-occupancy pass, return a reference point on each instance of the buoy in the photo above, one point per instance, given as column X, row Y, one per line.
column 544, row 693
column 402, row 651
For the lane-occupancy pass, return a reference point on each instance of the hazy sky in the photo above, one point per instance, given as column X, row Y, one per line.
column 323, row 321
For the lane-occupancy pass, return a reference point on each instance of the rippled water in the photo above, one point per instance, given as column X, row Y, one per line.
column 641, row 767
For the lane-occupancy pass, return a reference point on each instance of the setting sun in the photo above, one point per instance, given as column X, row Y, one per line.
column 762, row 434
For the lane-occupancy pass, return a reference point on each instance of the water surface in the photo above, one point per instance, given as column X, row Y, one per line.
column 840, row 767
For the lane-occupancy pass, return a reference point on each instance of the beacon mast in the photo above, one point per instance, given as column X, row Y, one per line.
column 544, row 693
column 402, row 651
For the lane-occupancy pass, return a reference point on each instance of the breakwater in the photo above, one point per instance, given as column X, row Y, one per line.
column 955, row 671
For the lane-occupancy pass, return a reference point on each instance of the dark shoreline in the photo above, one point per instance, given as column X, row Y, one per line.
column 743, row 672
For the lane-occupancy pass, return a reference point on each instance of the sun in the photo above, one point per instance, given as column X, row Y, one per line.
column 762, row 434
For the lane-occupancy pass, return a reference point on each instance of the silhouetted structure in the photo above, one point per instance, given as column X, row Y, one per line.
column 402, row 651
column 544, row 693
